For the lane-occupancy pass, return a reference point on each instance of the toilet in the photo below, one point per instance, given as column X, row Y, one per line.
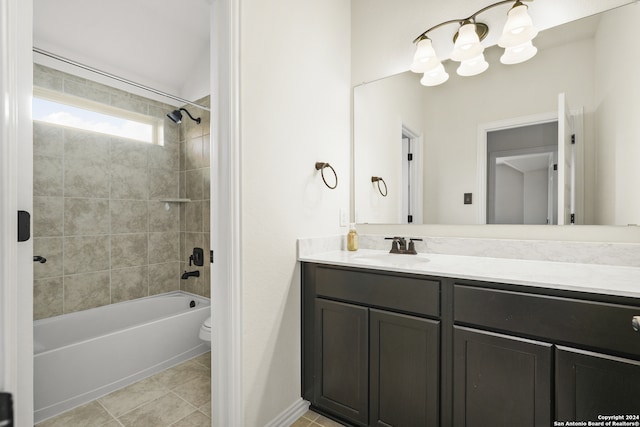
column 205, row 331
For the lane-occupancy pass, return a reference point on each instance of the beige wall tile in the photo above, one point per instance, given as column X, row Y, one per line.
column 47, row 297
column 86, row 216
column 129, row 283
column 48, row 214
column 86, row 253
column 193, row 154
column 194, row 184
column 129, row 183
column 129, row 153
column 130, row 103
column 164, row 277
column 47, row 140
column 165, row 156
column 85, row 180
column 86, row 91
column 191, row 240
column 86, row 147
column 163, row 220
column 206, row 187
column 193, row 216
column 206, row 216
column 129, row 250
column 164, row 247
column 129, row 216
column 47, row 176
column 206, row 150
column 84, row 291
column 47, row 78
column 51, row 249
column 163, row 183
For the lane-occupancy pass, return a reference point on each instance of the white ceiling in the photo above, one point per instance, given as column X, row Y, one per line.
column 163, row 44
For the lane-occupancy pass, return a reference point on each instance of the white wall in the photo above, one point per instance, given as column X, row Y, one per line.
column 535, row 196
column 509, row 196
column 295, row 111
column 377, row 128
column 617, row 112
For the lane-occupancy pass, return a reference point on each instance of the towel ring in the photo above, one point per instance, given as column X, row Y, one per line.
column 320, row 167
column 377, row 179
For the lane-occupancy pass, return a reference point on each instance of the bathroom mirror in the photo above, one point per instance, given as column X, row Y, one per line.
column 592, row 61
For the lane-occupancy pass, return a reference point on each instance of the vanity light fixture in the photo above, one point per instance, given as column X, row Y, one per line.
column 515, row 39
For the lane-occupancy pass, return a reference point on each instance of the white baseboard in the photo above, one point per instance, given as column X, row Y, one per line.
column 290, row 415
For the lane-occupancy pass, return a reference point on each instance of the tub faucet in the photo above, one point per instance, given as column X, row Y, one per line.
column 188, row 274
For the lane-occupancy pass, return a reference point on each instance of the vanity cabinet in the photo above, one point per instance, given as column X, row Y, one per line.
column 371, row 352
column 395, row 349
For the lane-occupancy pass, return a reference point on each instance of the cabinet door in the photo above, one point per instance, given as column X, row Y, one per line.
column 591, row 384
column 404, row 357
column 500, row 380
column 341, row 367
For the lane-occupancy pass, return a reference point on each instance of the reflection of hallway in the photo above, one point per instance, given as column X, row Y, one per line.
column 178, row 396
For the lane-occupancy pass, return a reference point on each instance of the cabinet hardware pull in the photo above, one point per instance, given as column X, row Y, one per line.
column 635, row 323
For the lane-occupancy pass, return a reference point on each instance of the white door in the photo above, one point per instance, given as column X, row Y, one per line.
column 564, row 161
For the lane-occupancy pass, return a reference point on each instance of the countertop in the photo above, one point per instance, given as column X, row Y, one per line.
column 592, row 278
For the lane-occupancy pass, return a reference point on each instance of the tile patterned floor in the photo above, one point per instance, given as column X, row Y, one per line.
column 177, row 397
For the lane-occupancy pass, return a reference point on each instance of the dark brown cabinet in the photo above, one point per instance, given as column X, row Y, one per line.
column 404, row 355
column 370, row 353
column 341, row 369
column 500, row 380
column 403, row 350
column 591, row 384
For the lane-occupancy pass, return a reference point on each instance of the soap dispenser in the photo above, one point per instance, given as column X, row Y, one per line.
column 352, row 238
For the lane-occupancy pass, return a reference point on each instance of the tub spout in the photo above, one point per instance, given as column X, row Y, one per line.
column 188, row 274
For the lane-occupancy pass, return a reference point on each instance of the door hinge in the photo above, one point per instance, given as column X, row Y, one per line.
column 573, row 138
column 211, row 257
column 410, row 156
column 24, row 226
column 410, row 219
column 555, row 167
column 573, row 218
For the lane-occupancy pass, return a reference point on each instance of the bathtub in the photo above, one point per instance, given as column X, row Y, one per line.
column 81, row 356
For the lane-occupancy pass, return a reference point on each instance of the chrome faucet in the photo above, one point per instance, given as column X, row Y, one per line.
column 399, row 245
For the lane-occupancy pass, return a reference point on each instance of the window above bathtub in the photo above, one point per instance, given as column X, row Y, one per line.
column 66, row 110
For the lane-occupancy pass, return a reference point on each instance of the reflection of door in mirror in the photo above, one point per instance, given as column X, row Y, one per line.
column 411, row 177
column 519, row 190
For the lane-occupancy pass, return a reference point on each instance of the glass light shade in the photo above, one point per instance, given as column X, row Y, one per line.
column 518, row 54
column 467, row 44
column 425, row 57
column 435, row 77
column 518, row 29
column 473, row 66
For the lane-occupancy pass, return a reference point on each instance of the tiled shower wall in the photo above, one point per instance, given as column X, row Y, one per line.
column 195, row 143
column 97, row 216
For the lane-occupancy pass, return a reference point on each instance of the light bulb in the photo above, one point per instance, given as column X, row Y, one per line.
column 467, row 44
column 435, row 77
column 473, row 66
column 519, row 53
column 425, row 57
column 518, row 29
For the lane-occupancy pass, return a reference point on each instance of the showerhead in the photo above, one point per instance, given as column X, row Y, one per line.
column 176, row 116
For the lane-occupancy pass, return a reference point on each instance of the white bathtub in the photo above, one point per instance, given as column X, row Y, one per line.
column 84, row 355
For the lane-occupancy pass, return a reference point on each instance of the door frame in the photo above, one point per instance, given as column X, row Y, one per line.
column 483, row 130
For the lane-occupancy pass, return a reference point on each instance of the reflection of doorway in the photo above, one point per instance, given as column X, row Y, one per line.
column 520, row 174
column 411, row 177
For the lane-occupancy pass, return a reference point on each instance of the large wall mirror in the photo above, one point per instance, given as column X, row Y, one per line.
column 589, row 66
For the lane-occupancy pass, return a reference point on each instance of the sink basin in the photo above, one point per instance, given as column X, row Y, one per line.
column 393, row 260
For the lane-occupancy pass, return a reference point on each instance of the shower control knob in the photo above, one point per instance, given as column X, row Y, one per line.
column 635, row 323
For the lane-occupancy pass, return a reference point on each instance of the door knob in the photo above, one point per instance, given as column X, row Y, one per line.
column 635, row 323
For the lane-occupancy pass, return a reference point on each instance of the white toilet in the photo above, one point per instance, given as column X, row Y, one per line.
column 205, row 331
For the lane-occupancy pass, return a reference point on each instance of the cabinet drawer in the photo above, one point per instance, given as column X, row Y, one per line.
column 564, row 320
column 407, row 294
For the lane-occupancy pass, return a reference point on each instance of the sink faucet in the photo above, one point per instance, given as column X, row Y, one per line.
column 399, row 245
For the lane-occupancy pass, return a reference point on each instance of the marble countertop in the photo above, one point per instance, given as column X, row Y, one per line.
column 593, row 278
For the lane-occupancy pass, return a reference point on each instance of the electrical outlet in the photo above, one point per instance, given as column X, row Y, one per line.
column 344, row 217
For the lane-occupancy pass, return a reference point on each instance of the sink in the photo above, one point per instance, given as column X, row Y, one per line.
column 392, row 260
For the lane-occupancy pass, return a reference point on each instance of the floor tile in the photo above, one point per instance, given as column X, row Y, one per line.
column 183, row 373
column 90, row 415
column 197, row 391
column 124, row 400
column 163, row 411
column 195, row 419
column 302, row 422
